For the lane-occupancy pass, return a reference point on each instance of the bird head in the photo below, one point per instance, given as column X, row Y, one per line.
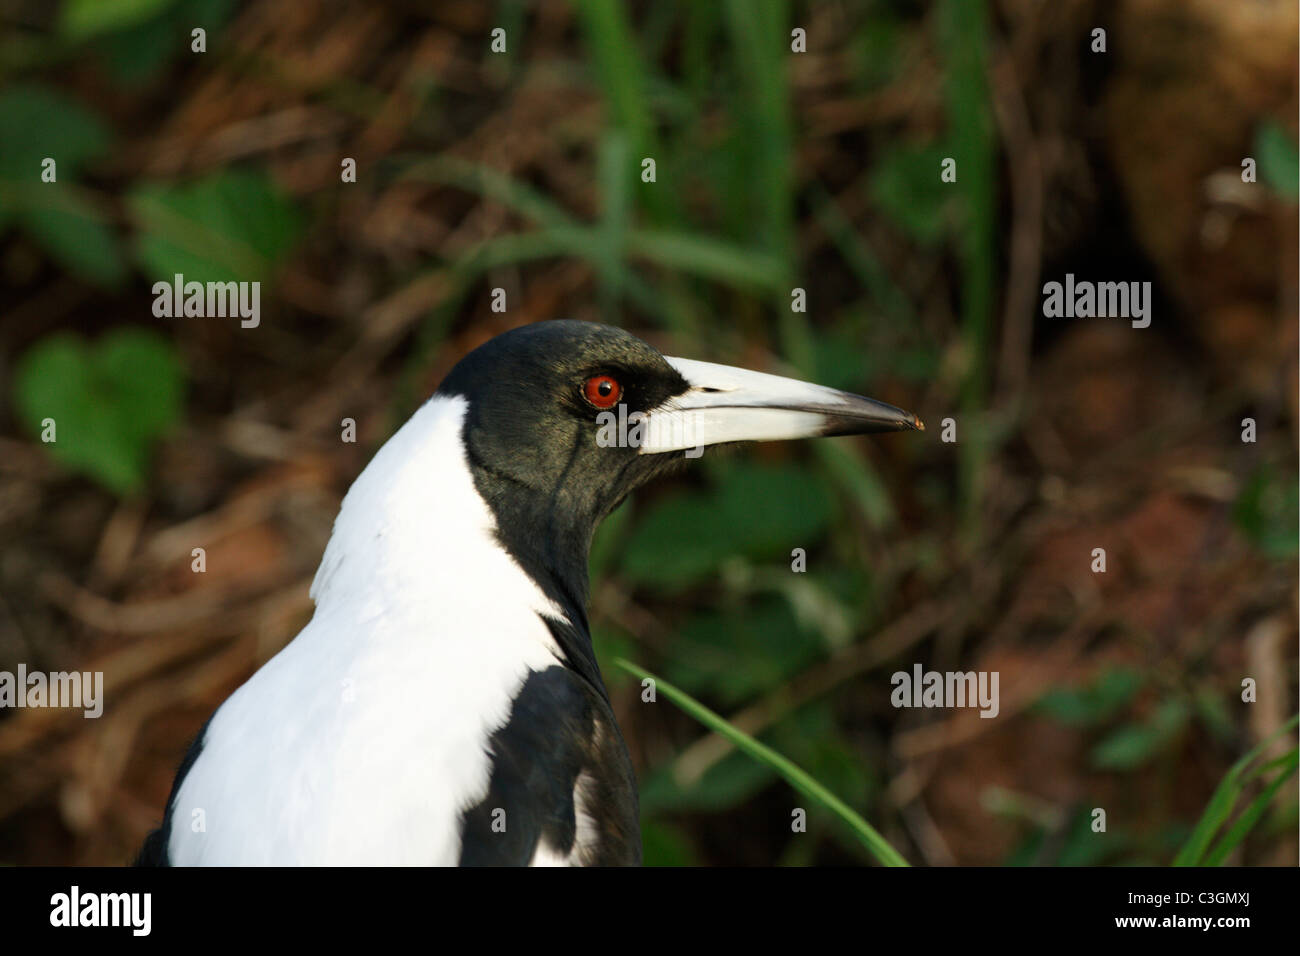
column 565, row 418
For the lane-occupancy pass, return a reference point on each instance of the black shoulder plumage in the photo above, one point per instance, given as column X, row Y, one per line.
column 560, row 729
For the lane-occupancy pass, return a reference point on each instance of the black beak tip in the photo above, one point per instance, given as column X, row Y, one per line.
column 867, row 416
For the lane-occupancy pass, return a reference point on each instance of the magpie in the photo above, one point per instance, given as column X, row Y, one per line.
column 443, row 705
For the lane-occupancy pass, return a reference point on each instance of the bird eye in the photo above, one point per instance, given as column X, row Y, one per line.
column 602, row 391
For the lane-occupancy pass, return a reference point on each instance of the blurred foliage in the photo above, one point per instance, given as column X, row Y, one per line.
column 232, row 226
column 1095, row 702
column 137, row 40
column 109, row 400
column 685, row 538
column 1279, row 162
column 79, row 19
column 906, row 186
column 1268, row 512
column 67, row 223
column 1132, row 734
column 1201, row 848
column 1133, row 743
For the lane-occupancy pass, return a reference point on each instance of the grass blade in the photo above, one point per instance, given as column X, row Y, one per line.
column 618, row 68
column 707, row 258
column 1250, row 816
column 491, row 184
column 1224, row 798
column 794, row 775
column 963, row 38
column 621, row 76
column 613, row 174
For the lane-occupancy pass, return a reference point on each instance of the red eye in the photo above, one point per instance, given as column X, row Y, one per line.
column 602, row 391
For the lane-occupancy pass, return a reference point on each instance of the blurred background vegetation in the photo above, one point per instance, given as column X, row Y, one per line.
column 774, row 170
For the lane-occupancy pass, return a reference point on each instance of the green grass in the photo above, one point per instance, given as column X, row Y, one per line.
column 963, row 35
column 803, row 782
column 1201, row 848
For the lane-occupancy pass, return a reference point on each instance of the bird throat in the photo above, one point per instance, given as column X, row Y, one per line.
column 552, row 550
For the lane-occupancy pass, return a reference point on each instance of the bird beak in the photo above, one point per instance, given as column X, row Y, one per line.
column 727, row 404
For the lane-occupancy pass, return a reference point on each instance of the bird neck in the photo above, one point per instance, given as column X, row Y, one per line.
column 551, row 545
column 425, row 527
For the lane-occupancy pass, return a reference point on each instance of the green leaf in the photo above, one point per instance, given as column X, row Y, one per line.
column 1267, row 512
column 675, row 544
column 146, row 377
column 684, row 538
column 772, row 508
column 1214, row 715
column 37, row 121
column 74, row 234
column 232, row 226
column 734, row 654
column 109, row 402
column 1279, row 162
column 727, row 783
column 1096, row 702
column 1133, row 745
column 136, row 52
column 797, row 778
column 57, row 215
column 79, row 19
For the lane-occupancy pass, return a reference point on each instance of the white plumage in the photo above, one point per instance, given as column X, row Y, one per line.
column 363, row 740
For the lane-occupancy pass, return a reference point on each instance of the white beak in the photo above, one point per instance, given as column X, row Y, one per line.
column 727, row 404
